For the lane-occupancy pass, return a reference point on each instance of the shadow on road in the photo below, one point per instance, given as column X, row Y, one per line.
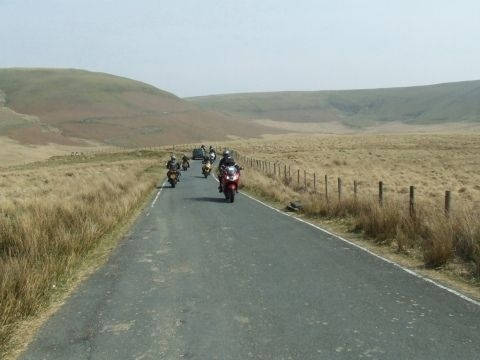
column 208, row 199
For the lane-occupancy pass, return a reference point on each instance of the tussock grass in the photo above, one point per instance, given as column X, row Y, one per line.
column 51, row 217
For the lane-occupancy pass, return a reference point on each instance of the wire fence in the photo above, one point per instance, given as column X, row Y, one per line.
column 303, row 180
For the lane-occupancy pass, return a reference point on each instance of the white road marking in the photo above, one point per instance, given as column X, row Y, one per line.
column 158, row 194
column 411, row 272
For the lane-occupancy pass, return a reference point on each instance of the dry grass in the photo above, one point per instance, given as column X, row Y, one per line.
column 51, row 216
column 440, row 239
column 432, row 163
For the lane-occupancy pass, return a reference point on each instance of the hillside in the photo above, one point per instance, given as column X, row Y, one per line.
column 65, row 106
column 419, row 105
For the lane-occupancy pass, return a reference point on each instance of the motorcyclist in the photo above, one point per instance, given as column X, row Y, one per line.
column 206, row 162
column 212, row 153
column 185, row 159
column 173, row 165
column 206, row 158
column 226, row 161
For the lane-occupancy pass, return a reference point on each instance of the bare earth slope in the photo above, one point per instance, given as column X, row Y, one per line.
column 357, row 109
column 64, row 104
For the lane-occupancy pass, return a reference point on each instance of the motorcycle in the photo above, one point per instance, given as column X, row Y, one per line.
column 172, row 176
column 207, row 169
column 229, row 182
column 185, row 165
column 212, row 157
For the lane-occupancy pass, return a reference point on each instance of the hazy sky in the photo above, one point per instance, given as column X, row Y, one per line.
column 197, row 47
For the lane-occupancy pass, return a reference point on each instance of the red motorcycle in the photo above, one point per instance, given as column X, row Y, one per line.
column 229, row 181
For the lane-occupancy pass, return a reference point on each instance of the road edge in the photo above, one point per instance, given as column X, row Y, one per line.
column 358, row 246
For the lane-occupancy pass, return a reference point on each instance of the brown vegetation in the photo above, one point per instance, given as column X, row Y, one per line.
column 52, row 214
column 432, row 163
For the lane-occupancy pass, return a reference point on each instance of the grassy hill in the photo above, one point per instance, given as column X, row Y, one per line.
column 419, row 105
column 64, row 105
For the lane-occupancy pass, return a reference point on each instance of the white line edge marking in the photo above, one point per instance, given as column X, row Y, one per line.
column 411, row 272
column 158, row 194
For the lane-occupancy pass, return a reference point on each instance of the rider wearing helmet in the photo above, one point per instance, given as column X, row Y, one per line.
column 227, row 160
column 173, row 165
column 212, row 154
column 185, row 159
column 225, row 156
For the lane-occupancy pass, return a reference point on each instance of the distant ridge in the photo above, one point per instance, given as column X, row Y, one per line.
column 69, row 106
column 417, row 105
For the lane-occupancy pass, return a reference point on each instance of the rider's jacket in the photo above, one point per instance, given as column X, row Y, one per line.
column 228, row 161
column 172, row 164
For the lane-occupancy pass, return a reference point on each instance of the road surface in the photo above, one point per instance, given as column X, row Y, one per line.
column 198, row 278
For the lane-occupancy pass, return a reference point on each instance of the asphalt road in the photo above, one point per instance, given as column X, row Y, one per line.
column 198, row 278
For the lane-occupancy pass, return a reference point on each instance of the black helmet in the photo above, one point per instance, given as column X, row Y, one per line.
column 226, row 153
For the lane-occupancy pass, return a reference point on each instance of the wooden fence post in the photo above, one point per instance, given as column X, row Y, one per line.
column 380, row 193
column 314, row 183
column 448, row 200
column 298, row 177
column 285, row 172
column 412, row 201
column 305, row 179
column 339, row 189
column 326, row 187
column 355, row 189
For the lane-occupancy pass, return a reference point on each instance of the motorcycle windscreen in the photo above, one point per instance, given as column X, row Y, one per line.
column 231, row 170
